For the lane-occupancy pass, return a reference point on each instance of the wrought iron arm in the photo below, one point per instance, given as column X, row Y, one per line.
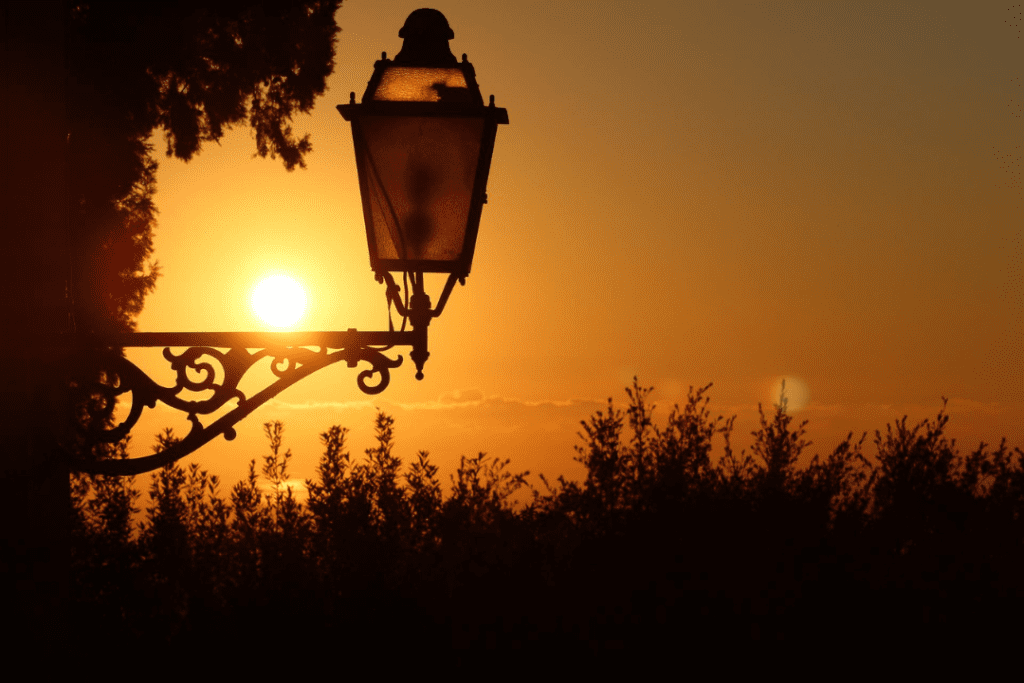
column 446, row 292
column 203, row 366
column 214, row 363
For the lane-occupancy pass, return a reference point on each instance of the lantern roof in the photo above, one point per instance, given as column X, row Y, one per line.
column 424, row 70
column 426, row 34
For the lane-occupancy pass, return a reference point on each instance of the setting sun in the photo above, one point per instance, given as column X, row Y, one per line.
column 279, row 301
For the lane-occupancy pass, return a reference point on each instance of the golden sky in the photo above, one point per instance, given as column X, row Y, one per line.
column 690, row 192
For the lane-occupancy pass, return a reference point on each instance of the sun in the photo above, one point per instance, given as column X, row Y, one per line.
column 279, row 301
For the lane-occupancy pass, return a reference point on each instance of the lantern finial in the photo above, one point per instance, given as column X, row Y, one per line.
column 426, row 34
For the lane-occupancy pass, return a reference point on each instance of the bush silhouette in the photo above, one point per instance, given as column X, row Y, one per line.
column 659, row 546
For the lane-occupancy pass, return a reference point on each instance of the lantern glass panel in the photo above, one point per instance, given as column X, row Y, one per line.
column 422, row 84
column 420, row 174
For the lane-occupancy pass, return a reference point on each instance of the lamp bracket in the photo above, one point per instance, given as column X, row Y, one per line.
column 213, row 368
column 393, row 291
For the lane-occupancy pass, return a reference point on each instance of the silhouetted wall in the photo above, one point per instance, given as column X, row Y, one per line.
column 32, row 291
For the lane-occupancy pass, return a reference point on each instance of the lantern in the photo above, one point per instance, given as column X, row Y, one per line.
column 423, row 142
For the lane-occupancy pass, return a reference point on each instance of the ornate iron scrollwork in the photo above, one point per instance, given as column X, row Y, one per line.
column 214, row 363
column 216, row 374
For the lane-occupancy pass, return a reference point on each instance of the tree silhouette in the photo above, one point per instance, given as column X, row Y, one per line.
column 190, row 70
column 424, row 501
column 183, row 542
column 660, row 549
column 104, row 553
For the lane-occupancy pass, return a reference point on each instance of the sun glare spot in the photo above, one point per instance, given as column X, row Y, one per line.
column 279, row 301
column 798, row 394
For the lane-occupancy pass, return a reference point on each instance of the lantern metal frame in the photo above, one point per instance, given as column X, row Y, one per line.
column 490, row 115
column 214, row 363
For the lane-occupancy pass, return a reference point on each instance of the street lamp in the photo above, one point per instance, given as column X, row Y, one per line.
column 423, row 142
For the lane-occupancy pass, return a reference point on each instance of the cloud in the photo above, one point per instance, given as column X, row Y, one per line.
column 463, row 396
column 966, row 405
column 475, row 398
column 319, row 405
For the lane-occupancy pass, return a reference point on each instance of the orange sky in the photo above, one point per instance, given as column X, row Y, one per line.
column 689, row 192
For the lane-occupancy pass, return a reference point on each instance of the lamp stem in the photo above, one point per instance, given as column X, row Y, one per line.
column 419, row 315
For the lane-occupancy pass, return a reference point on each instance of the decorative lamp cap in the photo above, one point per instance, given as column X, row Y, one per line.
column 426, row 34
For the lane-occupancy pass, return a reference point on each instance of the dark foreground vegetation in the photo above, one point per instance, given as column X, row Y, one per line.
column 659, row 550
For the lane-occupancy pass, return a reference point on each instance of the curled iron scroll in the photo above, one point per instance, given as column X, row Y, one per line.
column 197, row 369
